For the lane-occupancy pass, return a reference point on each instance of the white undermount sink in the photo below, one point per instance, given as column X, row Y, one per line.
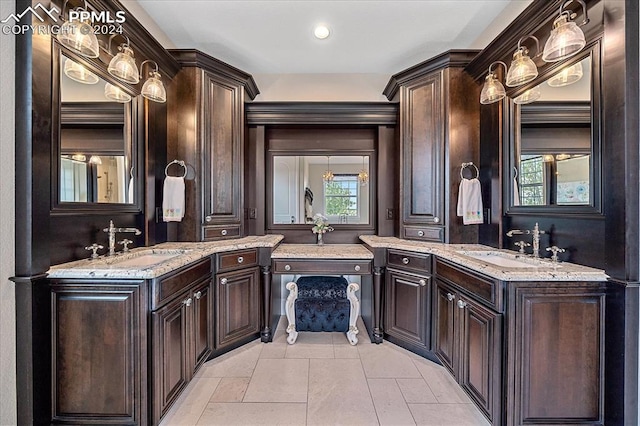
column 506, row 260
column 145, row 258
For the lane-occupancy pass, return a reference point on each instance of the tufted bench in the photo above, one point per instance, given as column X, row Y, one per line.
column 322, row 303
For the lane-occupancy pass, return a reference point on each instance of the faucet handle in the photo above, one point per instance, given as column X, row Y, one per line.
column 522, row 245
column 94, row 248
column 125, row 243
column 555, row 250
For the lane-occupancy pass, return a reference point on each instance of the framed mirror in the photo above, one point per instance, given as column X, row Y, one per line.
column 96, row 165
column 554, row 152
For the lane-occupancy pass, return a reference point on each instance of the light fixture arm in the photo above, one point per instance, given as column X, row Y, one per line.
column 584, row 10
column 127, row 44
column 497, row 62
column 144, row 62
column 64, row 7
column 538, row 52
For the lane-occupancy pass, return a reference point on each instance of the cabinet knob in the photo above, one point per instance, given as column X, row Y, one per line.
column 187, row 302
column 208, row 219
column 357, row 267
column 223, row 232
column 405, row 260
column 240, row 259
column 287, row 267
column 198, row 295
column 421, row 233
column 450, row 297
column 462, row 304
column 436, row 219
column 423, row 282
column 223, row 281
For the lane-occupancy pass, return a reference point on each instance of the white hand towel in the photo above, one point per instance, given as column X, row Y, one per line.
column 516, row 193
column 470, row 202
column 173, row 199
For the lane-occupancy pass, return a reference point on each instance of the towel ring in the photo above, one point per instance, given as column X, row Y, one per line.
column 180, row 162
column 469, row 164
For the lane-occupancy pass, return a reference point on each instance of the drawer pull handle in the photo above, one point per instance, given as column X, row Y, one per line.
column 198, row 295
column 240, row 259
column 405, row 260
column 436, row 219
column 223, row 232
column 462, row 304
column 223, row 281
column 208, row 219
column 423, row 282
column 287, row 267
column 450, row 297
column 187, row 302
column 357, row 267
column 421, row 233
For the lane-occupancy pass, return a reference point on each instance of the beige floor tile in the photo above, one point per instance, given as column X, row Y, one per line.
column 230, row 389
column 237, row 363
column 311, row 345
column 447, row 415
column 189, row 406
column 389, row 403
column 416, row 391
column 254, row 414
column 345, row 351
column 383, row 361
column 279, row 380
column 273, row 350
column 441, row 383
column 341, row 338
column 339, row 394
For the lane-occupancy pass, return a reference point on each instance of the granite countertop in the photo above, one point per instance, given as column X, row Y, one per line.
column 170, row 256
column 327, row 251
column 540, row 269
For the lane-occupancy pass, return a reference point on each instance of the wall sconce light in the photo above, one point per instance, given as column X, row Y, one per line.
column 94, row 159
column 363, row 176
column 522, row 69
column 79, row 73
column 79, row 36
column 328, row 176
column 529, row 96
column 493, row 90
column 123, row 65
column 566, row 38
column 116, row 94
column 153, row 89
column 567, row 76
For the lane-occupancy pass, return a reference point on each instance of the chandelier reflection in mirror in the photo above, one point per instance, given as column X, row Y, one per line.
column 363, row 175
column 328, row 176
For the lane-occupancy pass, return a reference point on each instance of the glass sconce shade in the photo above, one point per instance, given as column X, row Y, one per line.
column 116, row 94
column 80, row 38
column 567, row 76
column 492, row 91
column 529, row 96
column 123, row 66
column 77, row 72
column 522, row 70
column 566, row 40
column 95, row 159
column 153, row 89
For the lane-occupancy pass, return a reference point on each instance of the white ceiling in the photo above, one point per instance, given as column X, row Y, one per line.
column 276, row 37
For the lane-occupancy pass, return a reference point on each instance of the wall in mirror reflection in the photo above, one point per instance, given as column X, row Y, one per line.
column 300, row 192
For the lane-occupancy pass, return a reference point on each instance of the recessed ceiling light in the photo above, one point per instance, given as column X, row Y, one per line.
column 321, row 32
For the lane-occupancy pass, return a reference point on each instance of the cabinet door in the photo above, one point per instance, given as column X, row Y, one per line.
column 202, row 333
column 238, row 312
column 223, row 115
column 171, row 353
column 444, row 325
column 480, row 356
column 408, row 307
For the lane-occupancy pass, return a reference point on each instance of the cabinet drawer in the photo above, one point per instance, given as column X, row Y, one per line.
column 350, row 267
column 165, row 288
column 408, row 260
column 237, row 259
column 426, row 233
column 483, row 289
column 220, row 232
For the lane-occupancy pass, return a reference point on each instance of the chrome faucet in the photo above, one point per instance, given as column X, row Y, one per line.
column 535, row 240
column 112, row 230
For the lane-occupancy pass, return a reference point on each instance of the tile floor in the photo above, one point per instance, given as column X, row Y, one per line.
column 322, row 380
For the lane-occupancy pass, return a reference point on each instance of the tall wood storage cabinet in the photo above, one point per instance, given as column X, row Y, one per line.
column 439, row 130
column 208, row 134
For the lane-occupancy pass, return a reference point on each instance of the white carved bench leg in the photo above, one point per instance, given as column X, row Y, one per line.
column 354, row 314
column 290, row 309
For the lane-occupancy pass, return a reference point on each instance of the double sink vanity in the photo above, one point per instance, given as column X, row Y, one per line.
column 522, row 336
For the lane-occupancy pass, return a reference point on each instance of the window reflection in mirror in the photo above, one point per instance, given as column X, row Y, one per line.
column 300, row 192
column 95, row 140
column 554, row 142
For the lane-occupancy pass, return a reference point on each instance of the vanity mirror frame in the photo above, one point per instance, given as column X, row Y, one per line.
column 134, row 137
column 511, row 147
